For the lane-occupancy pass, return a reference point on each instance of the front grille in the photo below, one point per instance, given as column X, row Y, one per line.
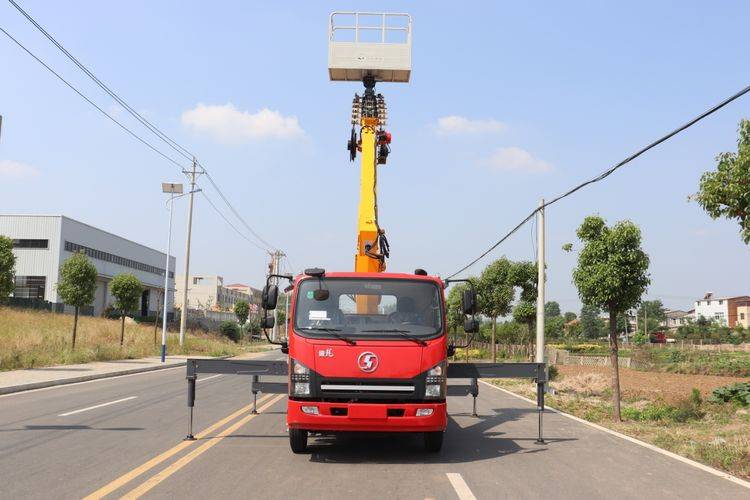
column 327, row 387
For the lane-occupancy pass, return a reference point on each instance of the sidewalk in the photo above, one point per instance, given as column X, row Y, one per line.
column 36, row 378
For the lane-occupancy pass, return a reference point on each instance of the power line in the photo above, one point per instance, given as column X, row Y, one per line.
column 126, row 129
column 608, row 172
column 153, row 128
column 240, row 233
column 236, row 213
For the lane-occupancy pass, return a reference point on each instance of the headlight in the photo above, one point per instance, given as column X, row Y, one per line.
column 300, row 369
column 435, row 382
column 301, row 389
column 300, row 379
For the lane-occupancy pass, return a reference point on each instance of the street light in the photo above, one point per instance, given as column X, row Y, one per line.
column 175, row 191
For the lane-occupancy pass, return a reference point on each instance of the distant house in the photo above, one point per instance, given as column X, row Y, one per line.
column 208, row 293
column 727, row 311
column 677, row 318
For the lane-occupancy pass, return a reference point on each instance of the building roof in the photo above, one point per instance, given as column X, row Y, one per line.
column 92, row 227
column 237, row 285
column 676, row 314
column 724, row 298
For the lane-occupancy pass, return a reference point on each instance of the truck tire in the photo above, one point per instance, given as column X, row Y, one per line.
column 433, row 441
column 298, row 440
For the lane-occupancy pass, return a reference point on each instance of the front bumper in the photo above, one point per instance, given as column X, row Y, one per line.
column 366, row 417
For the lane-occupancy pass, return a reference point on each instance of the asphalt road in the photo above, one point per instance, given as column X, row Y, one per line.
column 122, row 437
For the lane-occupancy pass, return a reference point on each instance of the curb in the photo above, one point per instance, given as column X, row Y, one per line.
column 84, row 378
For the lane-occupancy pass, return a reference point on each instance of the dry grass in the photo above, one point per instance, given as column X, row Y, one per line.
column 38, row 338
column 585, row 384
column 718, row 436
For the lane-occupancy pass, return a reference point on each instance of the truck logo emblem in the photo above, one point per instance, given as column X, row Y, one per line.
column 325, row 353
column 367, row 362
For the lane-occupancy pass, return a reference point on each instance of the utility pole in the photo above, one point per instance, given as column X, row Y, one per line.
column 183, row 313
column 275, row 258
column 540, row 284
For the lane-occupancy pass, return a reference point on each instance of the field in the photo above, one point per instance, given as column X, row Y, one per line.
column 659, row 408
column 38, row 338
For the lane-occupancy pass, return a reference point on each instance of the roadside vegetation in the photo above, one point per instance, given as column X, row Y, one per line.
column 32, row 339
column 710, row 428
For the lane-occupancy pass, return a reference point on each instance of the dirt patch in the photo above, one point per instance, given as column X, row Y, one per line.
column 652, row 385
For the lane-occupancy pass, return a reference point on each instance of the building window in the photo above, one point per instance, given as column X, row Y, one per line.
column 742, row 315
column 719, row 316
column 30, row 287
column 30, row 243
column 114, row 259
column 721, row 302
column 197, row 281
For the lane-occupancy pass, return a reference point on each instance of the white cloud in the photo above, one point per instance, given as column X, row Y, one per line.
column 460, row 125
column 227, row 124
column 516, row 159
column 16, row 170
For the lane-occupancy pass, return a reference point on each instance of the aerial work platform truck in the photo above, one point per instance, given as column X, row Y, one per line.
column 368, row 350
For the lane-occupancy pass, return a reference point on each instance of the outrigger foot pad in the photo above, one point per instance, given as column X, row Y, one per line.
column 189, row 437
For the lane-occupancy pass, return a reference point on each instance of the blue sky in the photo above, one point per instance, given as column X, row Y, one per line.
column 509, row 102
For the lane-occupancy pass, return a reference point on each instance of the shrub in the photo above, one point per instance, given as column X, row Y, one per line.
column 553, row 372
column 735, row 393
column 230, row 329
column 685, row 410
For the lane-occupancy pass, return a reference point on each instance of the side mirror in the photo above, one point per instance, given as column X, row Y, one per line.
column 469, row 301
column 269, row 297
column 470, row 325
column 267, row 322
column 451, row 351
column 285, row 348
column 320, row 294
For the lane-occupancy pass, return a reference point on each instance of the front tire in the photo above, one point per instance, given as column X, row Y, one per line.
column 298, row 440
column 433, row 441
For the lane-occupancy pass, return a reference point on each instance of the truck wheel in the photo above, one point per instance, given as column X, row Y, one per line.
column 433, row 441
column 298, row 440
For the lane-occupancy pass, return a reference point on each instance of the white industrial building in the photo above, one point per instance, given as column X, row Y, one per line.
column 41, row 243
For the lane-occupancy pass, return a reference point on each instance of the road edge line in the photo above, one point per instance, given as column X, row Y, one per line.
column 132, row 474
column 166, row 473
column 685, row 460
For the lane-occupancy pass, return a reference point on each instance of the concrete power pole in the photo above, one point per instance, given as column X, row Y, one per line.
column 183, row 312
column 540, row 284
column 275, row 259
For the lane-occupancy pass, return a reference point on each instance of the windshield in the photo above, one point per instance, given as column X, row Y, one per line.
column 361, row 308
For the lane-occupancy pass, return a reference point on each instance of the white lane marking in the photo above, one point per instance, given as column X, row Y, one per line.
column 462, row 489
column 208, row 378
column 96, row 406
column 698, row 465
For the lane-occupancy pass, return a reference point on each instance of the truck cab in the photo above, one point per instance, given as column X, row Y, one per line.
column 367, row 353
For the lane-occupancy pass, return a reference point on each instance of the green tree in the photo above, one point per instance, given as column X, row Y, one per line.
column 241, row 310
column 653, row 313
column 525, row 313
column 570, row 316
column 127, row 291
column 554, row 327
column 497, row 290
column 551, row 309
column 612, row 274
column 725, row 192
column 77, row 285
column 7, row 268
column 591, row 324
column 496, row 293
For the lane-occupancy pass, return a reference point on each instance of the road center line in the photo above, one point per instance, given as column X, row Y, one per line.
column 210, row 443
column 96, row 406
column 129, row 476
column 462, row 489
column 208, row 378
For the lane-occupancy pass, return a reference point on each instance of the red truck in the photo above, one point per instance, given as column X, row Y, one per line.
column 378, row 372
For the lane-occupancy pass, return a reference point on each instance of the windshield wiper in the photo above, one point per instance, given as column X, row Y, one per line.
column 403, row 333
column 332, row 331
